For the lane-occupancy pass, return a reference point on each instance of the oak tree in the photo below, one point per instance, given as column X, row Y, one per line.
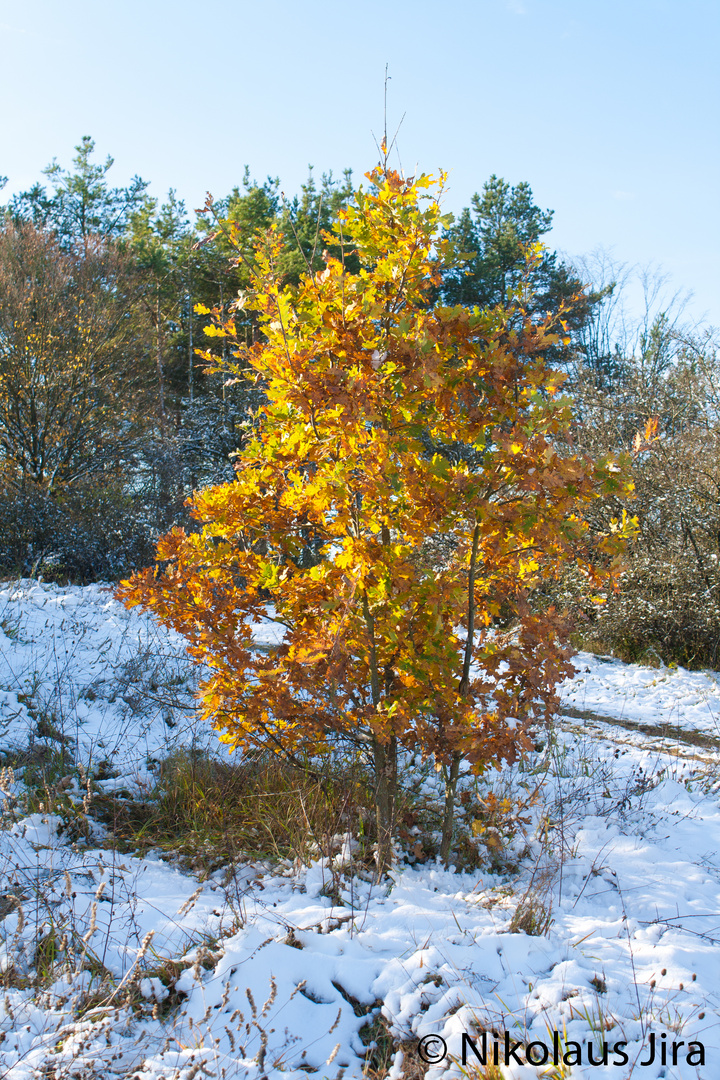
column 384, row 646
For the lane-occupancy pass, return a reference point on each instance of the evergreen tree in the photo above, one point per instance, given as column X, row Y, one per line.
column 307, row 218
column 81, row 204
column 495, row 233
column 160, row 242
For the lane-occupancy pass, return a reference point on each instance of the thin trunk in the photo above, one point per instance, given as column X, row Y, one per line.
column 191, row 385
column 374, row 677
column 452, row 773
column 470, row 641
column 191, row 371
column 451, row 779
column 385, row 761
column 700, row 563
column 224, row 361
column 159, row 362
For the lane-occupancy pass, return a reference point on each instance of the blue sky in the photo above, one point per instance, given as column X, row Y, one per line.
column 608, row 108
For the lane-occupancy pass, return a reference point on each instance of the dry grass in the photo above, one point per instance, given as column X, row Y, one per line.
column 383, row 1048
column 210, row 813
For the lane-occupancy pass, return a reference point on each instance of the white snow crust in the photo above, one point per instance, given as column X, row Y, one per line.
column 275, row 963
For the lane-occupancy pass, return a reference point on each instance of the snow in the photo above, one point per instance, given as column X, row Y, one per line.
column 277, row 968
column 685, row 700
column 115, row 688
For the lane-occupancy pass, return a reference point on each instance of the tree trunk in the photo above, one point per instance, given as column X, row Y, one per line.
column 159, row 363
column 385, row 760
column 451, row 779
column 451, row 774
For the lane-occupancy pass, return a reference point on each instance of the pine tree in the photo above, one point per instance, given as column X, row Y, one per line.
column 498, row 229
column 81, row 206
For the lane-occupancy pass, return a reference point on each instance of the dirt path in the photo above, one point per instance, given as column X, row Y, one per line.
column 680, row 738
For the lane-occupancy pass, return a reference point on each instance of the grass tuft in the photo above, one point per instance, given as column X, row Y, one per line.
column 211, row 813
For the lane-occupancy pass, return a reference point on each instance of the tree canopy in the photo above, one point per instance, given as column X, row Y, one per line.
column 383, row 647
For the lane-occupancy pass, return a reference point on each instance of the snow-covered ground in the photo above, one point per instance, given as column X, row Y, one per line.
column 277, row 969
column 672, row 698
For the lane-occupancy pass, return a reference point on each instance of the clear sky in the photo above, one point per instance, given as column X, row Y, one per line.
column 608, row 108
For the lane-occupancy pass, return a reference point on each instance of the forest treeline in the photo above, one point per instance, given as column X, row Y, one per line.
column 115, row 405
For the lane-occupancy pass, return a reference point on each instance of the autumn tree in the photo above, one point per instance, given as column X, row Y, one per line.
column 72, row 397
column 69, row 382
column 385, row 648
column 71, row 379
